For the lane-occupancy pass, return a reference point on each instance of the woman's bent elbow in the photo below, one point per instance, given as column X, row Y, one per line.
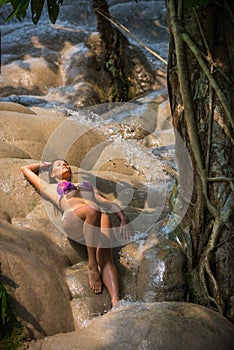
column 23, row 169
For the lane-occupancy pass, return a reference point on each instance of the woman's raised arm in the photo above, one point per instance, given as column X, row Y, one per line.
column 29, row 172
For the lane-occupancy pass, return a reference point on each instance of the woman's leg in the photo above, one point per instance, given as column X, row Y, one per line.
column 91, row 230
column 106, row 263
column 84, row 222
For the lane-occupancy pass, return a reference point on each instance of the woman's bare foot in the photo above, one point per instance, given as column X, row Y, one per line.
column 95, row 280
column 115, row 303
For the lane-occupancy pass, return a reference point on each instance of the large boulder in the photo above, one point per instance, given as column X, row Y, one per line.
column 32, row 270
column 37, row 136
column 150, row 326
column 37, row 64
column 15, row 107
column 161, row 271
column 30, row 76
column 27, row 132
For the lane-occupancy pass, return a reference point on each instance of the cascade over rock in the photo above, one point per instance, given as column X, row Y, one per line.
column 45, row 82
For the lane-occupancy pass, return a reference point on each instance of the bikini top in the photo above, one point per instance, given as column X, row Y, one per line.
column 65, row 187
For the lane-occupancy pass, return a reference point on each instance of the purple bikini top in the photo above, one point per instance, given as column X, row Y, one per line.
column 65, row 187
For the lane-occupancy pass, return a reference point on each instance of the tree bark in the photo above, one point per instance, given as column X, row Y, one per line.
column 200, row 85
column 114, row 47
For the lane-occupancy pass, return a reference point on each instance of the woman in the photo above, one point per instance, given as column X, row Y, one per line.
column 83, row 218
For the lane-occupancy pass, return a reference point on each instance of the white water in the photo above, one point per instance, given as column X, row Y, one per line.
column 150, row 154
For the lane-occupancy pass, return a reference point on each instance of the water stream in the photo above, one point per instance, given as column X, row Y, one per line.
column 139, row 132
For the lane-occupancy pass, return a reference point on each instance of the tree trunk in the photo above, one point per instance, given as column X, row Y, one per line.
column 200, row 84
column 114, row 47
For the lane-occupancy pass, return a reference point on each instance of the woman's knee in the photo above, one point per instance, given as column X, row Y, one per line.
column 93, row 214
column 105, row 221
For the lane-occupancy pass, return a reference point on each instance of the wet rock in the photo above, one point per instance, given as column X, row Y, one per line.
column 45, row 40
column 85, row 304
column 135, row 14
column 151, row 326
column 91, row 82
column 128, row 265
column 15, row 107
column 25, row 216
column 55, row 60
column 30, row 77
column 152, row 268
column 32, row 271
column 32, row 136
column 161, row 272
column 26, row 132
column 10, row 151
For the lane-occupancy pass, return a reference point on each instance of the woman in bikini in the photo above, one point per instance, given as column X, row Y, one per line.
column 83, row 219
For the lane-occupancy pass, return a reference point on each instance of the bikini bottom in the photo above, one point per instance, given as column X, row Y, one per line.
column 73, row 226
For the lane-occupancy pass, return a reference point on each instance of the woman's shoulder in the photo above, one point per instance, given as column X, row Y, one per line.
column 51, row 192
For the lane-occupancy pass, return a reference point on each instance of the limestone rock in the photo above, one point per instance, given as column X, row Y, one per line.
column 85, row 304
column 161, row 274
column 32, row 268
column 27, row 77
column 41, row 135
column 150, row 326
column 8, row 150
column 15, row 107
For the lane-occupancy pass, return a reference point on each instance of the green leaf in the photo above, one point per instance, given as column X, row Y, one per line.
column 15, row 10
column 23, row 9
column 36, row 9
column 3, row 2
column 19, row 9
column 3, row 300
column 53, row 9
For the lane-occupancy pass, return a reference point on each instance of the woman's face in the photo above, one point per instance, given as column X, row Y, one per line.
column 61, row 170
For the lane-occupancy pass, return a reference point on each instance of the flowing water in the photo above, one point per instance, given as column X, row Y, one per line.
column 140, row 131
column 23, row 43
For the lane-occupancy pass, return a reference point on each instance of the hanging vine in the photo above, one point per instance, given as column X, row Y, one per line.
column 182, row 40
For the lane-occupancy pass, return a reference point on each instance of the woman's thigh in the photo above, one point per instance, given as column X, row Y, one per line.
column 73, row 225
column 74, row 218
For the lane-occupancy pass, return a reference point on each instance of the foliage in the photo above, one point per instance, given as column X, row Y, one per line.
column 3, row 301
column 20, row 8
column 11, row 331
column 13, row 340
